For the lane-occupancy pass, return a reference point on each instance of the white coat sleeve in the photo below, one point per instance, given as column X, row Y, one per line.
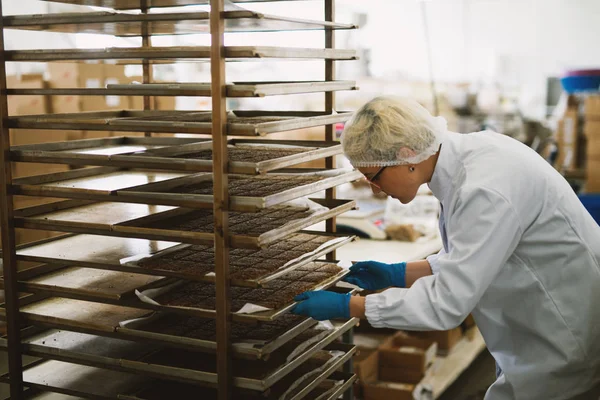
column 484, row 232
column 433, row 261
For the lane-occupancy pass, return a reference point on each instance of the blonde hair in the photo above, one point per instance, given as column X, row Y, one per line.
column 391, row 131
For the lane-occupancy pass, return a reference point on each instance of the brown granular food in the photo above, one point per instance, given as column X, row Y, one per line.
column 329, row 268
column 272, row 265
column 307, row 247
column 295, row 275
column 242, row 252
column 275, row 284
column 315, row 277
column 237, row 291
column 310, row 267
column 257, row 296
column 248, row 274
column 245, row 264
column 253, row 186
column 246, row 153
column 202, row 295
column 248, row 262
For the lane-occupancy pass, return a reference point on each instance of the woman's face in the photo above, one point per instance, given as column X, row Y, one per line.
column 397, row 181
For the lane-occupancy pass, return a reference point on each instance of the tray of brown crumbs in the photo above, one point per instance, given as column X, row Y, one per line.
column 122, row 383
column 247, row 230
column 176, row 224
column 265, row 303
column 248, row 267
column 247, row 192
column 250, row 341
column 182, row 364
column 194, row 155
column 311, row 378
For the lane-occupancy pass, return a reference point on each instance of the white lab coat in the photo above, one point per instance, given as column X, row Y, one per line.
column 523, row 255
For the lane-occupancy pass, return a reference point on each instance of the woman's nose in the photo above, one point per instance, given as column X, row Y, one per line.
column 375, row 189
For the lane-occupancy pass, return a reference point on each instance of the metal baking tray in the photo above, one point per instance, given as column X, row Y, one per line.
column 190, row 53
column 235, row 89
column 239, row 123
column 72, row 378
column 106, row 253
column 137, row 4
column 236, row 18
column 333, row 387
column 269, row 315
column 104, row 286
column 247, row 193
column 87, row 182
column 82, row 217
column 86, row 283
column 107, row 320
column 176, row 153
column 120, row 355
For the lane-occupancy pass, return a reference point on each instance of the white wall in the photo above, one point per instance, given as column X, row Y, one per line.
column 517, row 43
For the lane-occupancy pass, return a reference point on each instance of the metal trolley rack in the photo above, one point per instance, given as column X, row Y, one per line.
column 149, row 220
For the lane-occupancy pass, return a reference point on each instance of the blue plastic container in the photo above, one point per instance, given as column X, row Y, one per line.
column 592, row 203
column 574, row 84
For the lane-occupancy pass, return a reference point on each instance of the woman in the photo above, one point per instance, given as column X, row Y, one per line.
column 520, row 252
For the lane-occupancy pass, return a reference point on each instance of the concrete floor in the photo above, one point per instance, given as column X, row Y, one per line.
column 473, row 383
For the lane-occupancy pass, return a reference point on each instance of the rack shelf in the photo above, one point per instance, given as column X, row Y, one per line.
column 235, row 89
column 248, row 193
column 171, row 241
column 126, row 24
column 192, row 53
column 192, row 155
column 138, row 4
column 241, row 123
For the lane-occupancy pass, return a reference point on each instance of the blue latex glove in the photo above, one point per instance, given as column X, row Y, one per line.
column 373, row 275
column 322, row 305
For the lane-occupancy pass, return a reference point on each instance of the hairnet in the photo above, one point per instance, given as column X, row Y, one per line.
column 391, row 131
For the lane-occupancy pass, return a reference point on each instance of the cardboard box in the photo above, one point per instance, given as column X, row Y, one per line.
column 570, row 142
column 84, row 75
column 374, row 389
column 34, row 136
column 591, row 107
column 387, row 390
column 592, row 182
column 165, row 103
column 446, row 340
column 26, row 105
column 21, row 170
column 405, row 359
column 592, row 132
column 156, row 103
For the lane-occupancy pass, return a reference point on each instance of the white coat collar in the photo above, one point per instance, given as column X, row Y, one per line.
column 446, row 167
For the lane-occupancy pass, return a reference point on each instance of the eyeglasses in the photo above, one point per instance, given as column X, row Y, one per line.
column 375, row 177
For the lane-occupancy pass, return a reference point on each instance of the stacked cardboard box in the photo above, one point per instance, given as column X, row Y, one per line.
column 31, row 105
column 393, row 370
column 156, row 102
column 570, row 138
column 446, row 340
column 82, row 75
column 592, row 132
column 87, row 75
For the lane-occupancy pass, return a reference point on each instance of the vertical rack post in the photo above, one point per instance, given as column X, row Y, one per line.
column 146, row 67
column 221, row 196
column 329, row 107
column 330, row 161
column 7, row 227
